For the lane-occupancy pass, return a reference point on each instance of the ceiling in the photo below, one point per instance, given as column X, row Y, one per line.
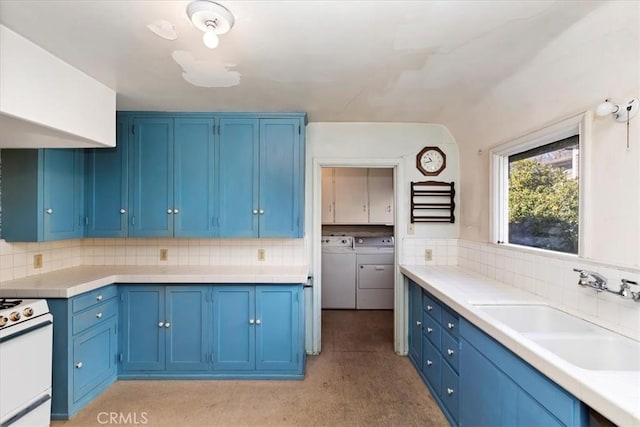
column 374, row 61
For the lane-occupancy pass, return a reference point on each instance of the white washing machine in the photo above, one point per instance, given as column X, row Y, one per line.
column 338, row 272
column 375, row 272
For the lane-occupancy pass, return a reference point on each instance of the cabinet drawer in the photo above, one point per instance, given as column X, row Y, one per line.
column 450, row 322
column 94, row 316
column 431, row 306
column 450, row 391
column 431, row 329
column 450, row 350
column 431, row 363
column 96, row 296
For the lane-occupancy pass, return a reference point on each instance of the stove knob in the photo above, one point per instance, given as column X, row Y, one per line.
column 3, row 321
column 28, row 312
column 15, row 316
column 344, row 241
column 360, row 241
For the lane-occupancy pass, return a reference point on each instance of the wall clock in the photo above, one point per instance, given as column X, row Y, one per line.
column 431, row 161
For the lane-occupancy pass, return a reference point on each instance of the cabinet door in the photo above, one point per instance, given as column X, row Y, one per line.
column 152, row 178
column 415, row 323
column 277, row 310
column 143, row 331
column 187, row 317
column 195, row 192
column 63, row 193
column 94, row 354
column 107, row 186
column 280, row 178
column 351, row 196
column 238, row 185
column 327, row 196
column 380, row 184
column 233, row 328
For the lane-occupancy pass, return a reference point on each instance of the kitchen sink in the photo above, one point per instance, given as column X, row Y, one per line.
column 599, row 353
column 538, row 319
column 575, row 340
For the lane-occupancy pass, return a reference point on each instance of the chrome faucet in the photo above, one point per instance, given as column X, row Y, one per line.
column 591, row 279
column 625, row 289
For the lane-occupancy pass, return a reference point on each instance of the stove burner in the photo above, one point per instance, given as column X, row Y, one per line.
column 4, row 303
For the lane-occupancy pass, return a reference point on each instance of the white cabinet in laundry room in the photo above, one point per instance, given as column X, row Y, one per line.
column 357, row 196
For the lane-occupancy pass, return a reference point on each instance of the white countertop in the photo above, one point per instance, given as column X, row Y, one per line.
column 77, row 280
column 615, row 394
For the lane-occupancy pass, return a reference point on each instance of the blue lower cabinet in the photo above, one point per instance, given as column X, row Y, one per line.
column 212, row 331
column 278, row 339
column 477, row 381
column 234, row 346
column 85, row 349
column 258, row 330
column 499, row 388
column 415, row 323
column 164, row 329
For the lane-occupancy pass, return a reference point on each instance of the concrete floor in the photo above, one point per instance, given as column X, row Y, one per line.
column 357, row 381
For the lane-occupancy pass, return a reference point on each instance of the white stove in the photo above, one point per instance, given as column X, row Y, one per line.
column 15, row 311
column 26, row 346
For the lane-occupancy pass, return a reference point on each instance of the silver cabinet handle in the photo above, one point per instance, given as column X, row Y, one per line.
column 258, row 321
column 418, row 323
column 79, row 365
column 429, row 330
column 255, row 211
column 169, row 211
column 161, row 324
column 429, row 308
column 166, row 325
column 251, row 321
column 429, row 363
column 450, row 325
column 49, row 211
column 449, row 391
column 99, row 315
column 261, row 212
column 123, row 211
column 99, row 298
column 175, row 211
column 450, row 352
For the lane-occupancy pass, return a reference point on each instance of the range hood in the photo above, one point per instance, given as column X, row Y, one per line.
column 47, row 103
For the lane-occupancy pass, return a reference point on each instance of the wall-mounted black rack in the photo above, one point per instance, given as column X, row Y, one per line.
column 429, row 199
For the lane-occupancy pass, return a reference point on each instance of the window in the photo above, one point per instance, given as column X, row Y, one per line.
column 536, row 189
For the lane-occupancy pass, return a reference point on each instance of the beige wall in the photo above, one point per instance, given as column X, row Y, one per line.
column 597, row 58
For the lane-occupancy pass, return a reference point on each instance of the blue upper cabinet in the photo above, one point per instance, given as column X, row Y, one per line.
column 42, row 194
column 107, row 202
column 261, row 177
column 281, row 178
column 195, row 204
column 238, row 185
column 151, row 182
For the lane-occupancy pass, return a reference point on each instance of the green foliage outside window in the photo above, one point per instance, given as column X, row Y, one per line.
column 543, row 206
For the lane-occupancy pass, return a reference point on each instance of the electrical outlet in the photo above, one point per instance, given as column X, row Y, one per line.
column 37, row 261
column 260, row 254
column 428, row 254
column 164, row 254
column 411, row 228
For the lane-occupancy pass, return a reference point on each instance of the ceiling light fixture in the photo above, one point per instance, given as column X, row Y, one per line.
column 212, row 18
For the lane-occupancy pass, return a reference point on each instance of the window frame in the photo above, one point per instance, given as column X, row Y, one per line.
column 580, row 125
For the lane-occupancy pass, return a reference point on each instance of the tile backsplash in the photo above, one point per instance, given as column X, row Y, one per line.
column 16, row 259
column 553, row 279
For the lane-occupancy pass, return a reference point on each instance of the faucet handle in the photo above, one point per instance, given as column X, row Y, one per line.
column 582, row 272
column 627, row 282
